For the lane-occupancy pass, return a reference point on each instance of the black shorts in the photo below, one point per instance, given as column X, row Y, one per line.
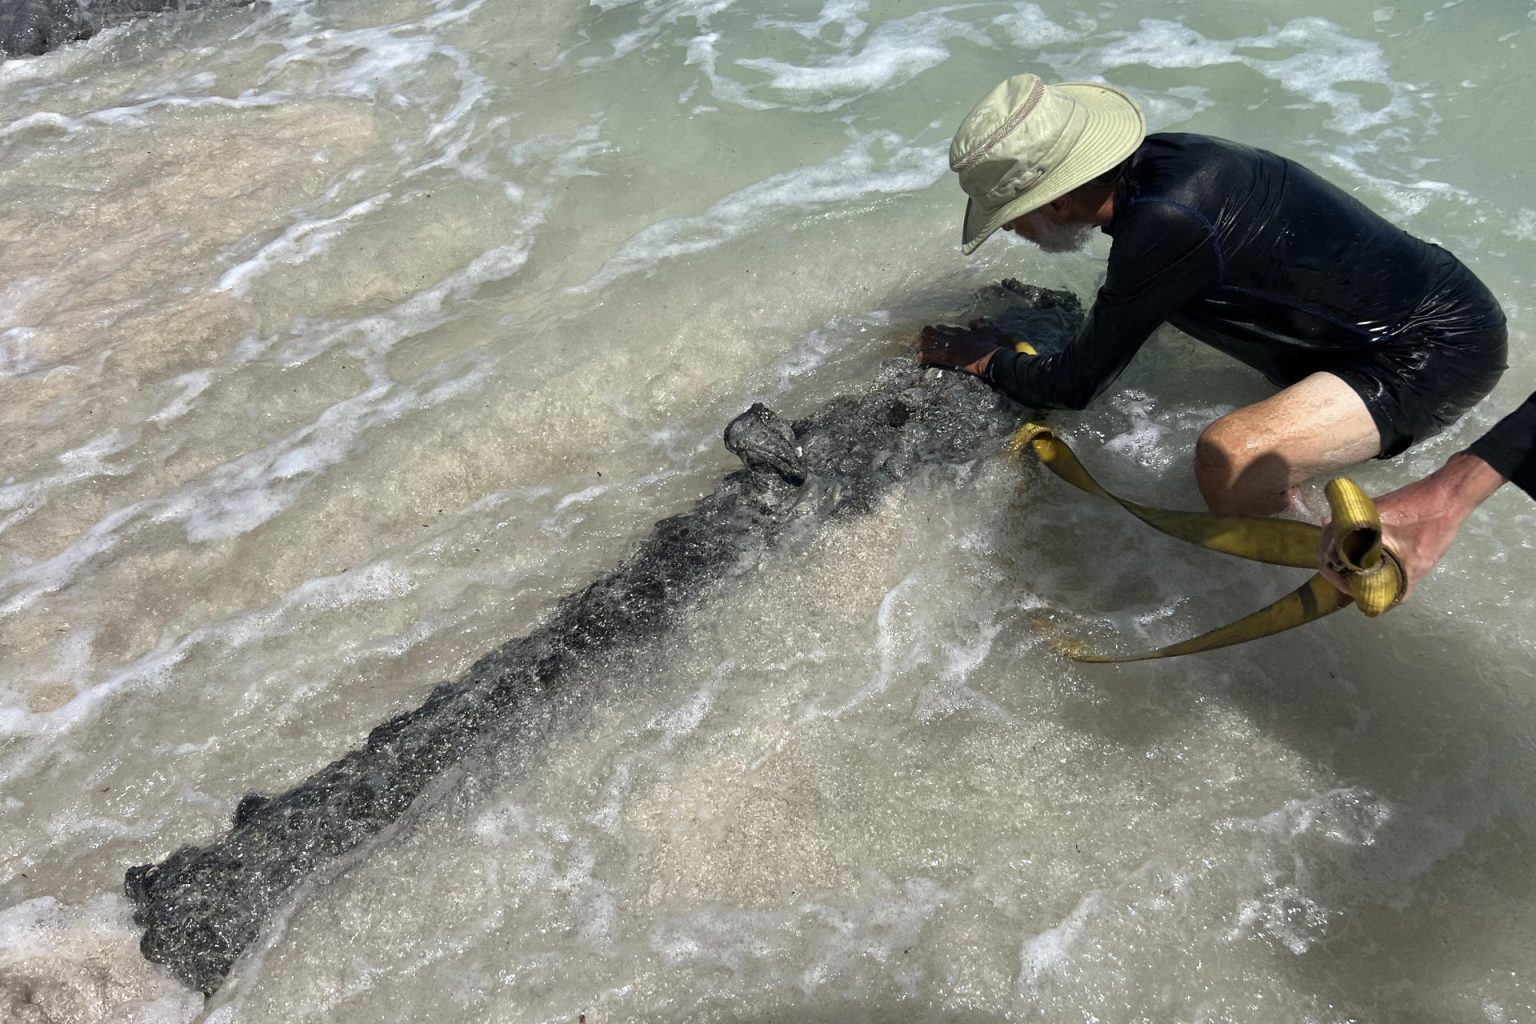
column 1416, row 386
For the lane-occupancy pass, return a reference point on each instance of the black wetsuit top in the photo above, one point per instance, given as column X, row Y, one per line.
column 1261, row 258
column 1510, row 447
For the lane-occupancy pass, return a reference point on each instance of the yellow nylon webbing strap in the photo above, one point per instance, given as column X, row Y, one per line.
column 1312, row 600
column 1274, row 541
column 1372, row 572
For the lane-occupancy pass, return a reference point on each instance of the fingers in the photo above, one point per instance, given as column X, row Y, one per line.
column 1334, row 572
column 1325, row 562
column 936, row 343
column 928, row 343
column 959, row 348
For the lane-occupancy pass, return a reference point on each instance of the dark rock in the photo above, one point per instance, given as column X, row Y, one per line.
column 203, row 905
column 766, row 444
column 29, row 28
column 248, row 806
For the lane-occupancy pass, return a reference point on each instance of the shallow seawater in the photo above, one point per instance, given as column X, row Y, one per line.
column 339, row 340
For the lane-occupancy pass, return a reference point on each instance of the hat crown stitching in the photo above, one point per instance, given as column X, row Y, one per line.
column 969, row 160
column 1002, row 176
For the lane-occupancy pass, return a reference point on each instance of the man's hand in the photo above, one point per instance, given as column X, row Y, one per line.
column 961, row 348
column 1419, row 521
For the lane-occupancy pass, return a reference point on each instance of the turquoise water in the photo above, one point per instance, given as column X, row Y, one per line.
column 337, row 341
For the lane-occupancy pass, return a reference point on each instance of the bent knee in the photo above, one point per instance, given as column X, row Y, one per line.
column 1222, row 450
column 1240, row 474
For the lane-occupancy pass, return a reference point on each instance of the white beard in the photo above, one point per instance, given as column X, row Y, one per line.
column 1051, row 236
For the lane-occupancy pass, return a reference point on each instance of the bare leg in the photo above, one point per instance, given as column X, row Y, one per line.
column 1251, row 460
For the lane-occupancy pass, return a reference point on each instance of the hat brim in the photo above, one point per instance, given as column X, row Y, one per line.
column 1114, row 129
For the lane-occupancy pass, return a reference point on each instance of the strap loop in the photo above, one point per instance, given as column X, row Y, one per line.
column 1372, row 572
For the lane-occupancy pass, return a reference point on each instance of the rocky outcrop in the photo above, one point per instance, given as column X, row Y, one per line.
column 203, row 905
column 29, row 28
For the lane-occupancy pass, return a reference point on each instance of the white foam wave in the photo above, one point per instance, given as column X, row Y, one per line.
column 832, row 939
column 69, row 964
column 666, row 730
column 1314, row 858
column 379, row 581
column 1406, row 198
column 301, row 242
column 1323, row 58
column 382, row 60
column 240, row 495
column 23, row 498
column 886, row 923
column 670, row 10
column 845, row 13
column 362, row 61
column 187, row 387
column 1029, row 28
column 550, row 158
column 372, row 337
column 580, row 497
column 857, row 173
column 1084, row 961
column 813, row 351
column 894, row 641
column 18, row 352
column 656, row 17
column 1523, row 226
column 42, row 119
column 138, row 114
column 1049, row 953
column 898, row 51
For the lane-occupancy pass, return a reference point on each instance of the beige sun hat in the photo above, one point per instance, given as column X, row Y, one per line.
column 1027, row 143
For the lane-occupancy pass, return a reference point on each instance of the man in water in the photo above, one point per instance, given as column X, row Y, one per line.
column 1419, row 521
column 1377, row 339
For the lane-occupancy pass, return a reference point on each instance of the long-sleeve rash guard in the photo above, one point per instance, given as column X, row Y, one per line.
column 1259, row 257
column 1510, row 447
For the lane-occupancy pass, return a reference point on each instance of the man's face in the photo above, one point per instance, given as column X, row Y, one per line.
column 1052, row 230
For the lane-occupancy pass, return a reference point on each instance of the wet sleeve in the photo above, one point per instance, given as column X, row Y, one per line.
column 1510, row 447
column 1164, row 254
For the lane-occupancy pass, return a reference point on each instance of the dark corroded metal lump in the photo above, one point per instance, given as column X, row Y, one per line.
column 203, row 905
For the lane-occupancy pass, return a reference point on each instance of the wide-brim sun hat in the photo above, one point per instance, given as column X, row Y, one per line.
column 1028, row 143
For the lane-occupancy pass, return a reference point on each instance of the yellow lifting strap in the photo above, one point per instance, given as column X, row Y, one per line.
column 1372, row 572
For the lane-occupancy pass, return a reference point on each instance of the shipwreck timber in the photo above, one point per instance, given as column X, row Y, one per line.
column 202, row 906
